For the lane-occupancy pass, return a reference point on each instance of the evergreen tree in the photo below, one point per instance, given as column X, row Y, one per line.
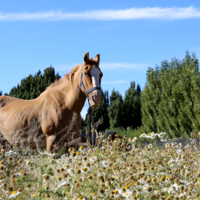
column 0, row 93
column 32, row 86
column 115, row 110
column 132, row 107
column 13, row 92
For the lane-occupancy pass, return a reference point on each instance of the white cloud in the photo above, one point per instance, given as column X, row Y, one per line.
column 171, row 13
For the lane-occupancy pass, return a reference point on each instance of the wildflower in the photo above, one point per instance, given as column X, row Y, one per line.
column 35, row 195
column 149, row 189
column 9, row 159
column 81, row 148
column 46, row 176
column 86, row 169
column 1, row 168
column 77, row 185
column 179, row 145
column 102, row 191
column 134, row 139
column 73, row 154
column 14, row 194
column 90, row 177
column 67, row 182
column 105, row 164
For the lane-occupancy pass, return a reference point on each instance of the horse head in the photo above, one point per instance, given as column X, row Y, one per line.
column 91, row 79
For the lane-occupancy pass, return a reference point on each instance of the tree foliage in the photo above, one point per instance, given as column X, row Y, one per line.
column 170, row 100
column 132, row 107
column 115, row 110
column 32, row 86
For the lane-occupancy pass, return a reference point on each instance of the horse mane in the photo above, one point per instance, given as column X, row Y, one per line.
column 66, row 77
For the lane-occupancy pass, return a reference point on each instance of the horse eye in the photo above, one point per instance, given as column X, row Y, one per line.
column 85, row 74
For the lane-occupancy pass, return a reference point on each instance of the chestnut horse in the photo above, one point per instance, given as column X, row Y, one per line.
column 36, row 122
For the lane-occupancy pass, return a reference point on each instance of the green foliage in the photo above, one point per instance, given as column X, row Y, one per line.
column 131, row 133
column 0, row 93
column 115, row 110
column 170, row 100
column 132, row 107
column 32, row 86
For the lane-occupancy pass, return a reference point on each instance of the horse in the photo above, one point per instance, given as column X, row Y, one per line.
column 40, row 122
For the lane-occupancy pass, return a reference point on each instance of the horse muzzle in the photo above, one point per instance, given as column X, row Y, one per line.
column 95, row 101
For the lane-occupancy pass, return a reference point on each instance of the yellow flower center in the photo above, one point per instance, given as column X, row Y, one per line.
column 84, row 169
column 35, row 195
column 116, row 192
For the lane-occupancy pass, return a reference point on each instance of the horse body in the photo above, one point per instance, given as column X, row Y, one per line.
column 36, row 122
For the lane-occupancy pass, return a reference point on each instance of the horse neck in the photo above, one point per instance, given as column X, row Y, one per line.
column 77, row 98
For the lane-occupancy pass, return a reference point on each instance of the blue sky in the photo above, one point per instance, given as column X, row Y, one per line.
column 129, row 35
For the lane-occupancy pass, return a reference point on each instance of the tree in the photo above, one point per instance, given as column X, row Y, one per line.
column 32, row 86
column 132, row 107
column 0, row 93
column 170, row 100
column 115, row 110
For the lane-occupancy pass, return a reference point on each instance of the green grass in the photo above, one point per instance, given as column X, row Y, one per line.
column 131, row 133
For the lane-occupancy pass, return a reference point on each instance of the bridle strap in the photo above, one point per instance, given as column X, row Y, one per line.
column 81, row 84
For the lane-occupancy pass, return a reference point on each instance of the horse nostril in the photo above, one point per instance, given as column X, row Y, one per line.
column 97, row 99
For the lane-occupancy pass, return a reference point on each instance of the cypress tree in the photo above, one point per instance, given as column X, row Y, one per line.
column 115, row 110
column 132, row 107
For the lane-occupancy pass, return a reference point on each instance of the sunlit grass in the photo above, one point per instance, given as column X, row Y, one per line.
column 127, row 131
column 105, row 171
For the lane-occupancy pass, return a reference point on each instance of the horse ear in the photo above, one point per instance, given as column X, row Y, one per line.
column 97, row 58
column 86, row 57
column 71, row 77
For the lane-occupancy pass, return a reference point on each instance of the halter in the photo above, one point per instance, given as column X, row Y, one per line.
column 87, row 92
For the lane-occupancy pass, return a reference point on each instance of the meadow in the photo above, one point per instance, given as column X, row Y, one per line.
column 119, row 169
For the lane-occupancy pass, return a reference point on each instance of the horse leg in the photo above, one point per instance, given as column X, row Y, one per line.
column 50, row 142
